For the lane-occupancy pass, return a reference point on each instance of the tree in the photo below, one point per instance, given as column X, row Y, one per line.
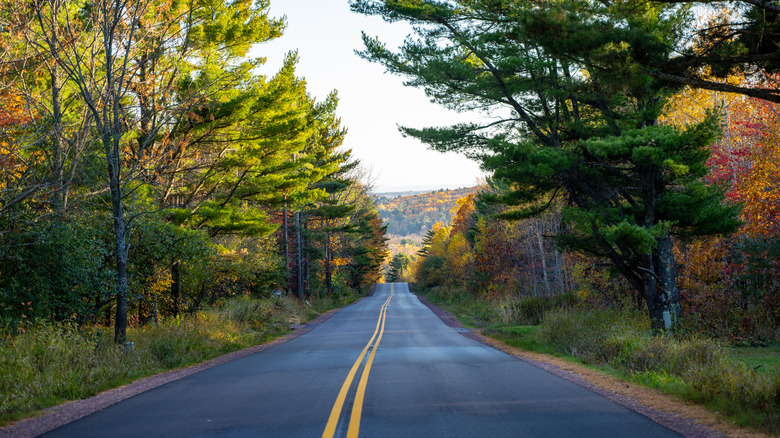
column 399, row 266
column 581, row 129
column 367, row 247
column 16, row 181
column 738, row 38
column 705, row 41
column 138, row 68
column 330, row 183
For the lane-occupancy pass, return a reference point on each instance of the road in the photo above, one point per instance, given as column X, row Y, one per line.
column 383, row 367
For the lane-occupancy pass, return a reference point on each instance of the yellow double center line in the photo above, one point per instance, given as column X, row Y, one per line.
column 357, row 405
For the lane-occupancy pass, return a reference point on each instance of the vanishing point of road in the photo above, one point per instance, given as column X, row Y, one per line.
column 385, row 366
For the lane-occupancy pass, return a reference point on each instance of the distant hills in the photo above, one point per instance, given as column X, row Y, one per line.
column 414, row 213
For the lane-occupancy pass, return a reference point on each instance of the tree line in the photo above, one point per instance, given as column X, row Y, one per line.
column 146, row 169
column 578, row 92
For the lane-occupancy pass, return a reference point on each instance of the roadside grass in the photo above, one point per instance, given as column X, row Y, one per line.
column 740, row 383
column 765, row 360
column 49, row 364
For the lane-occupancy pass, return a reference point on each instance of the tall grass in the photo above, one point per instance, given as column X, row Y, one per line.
column 52, row 363
column 511, row 310
column 697, row 368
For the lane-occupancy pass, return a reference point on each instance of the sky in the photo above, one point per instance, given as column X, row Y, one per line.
column 372, row 103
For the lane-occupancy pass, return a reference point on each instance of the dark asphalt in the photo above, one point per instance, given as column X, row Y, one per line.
column 426, row 381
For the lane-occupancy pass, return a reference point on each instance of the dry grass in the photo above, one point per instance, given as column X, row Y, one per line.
column 53, row 363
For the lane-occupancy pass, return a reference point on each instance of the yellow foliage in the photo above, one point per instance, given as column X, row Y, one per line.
column 440, row 239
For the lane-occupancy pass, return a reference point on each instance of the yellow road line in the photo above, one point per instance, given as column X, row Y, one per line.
column 357, row 406
column 335, row 413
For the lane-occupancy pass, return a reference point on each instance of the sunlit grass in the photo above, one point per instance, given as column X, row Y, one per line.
column 52, row 363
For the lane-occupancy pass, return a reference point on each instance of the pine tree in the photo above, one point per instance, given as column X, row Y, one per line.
column 398, row 267
column 581, row 130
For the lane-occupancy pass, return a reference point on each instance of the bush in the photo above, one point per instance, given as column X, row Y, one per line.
column 695, row 367
column 729, row 287
column 430, row 272
column 55, row 270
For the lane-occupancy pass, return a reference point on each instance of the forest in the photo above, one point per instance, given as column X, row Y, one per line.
column 147, row 171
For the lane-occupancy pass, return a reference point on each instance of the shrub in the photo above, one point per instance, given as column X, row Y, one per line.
column 696, row 367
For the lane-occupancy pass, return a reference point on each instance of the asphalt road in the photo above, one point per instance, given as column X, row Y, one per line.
column 383, row 367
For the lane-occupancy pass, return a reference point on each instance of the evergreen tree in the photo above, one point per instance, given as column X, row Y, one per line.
column 399, row 266
column 580, row 130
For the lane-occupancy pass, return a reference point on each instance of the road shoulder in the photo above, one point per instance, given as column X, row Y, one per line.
column 686, row 418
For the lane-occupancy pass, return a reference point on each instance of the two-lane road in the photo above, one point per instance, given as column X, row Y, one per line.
column 386, row 366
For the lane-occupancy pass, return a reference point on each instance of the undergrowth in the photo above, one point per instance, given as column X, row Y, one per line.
column 696, row 368
column 52, row 363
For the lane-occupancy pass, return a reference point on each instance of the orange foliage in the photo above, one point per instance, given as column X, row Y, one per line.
column 12, row 110
column 12, row 114
column 759, row 188
column 747, row 157
column 463, row 215
column 727, row 284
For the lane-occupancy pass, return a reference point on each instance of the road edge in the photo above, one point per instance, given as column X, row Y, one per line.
column 685, row 426
column 68, row 412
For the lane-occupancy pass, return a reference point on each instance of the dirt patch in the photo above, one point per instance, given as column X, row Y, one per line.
column 685, row 418
column 57, row 416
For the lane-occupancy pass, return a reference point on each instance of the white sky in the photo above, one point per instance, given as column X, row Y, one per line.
column 371, row 103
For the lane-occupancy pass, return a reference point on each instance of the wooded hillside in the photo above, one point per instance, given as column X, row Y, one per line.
column 416, row 214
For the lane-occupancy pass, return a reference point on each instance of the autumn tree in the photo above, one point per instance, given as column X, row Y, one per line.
column 16, row 181
column 726, row 281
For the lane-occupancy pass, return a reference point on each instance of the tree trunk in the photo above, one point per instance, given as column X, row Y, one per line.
column 286, row 244
column 665, row 266
column 533, row 266
column 176, row 288
column 120, row 327
column 120, row 235
column 653, row 299
column 298, row 256
column 154, row 315
column 306, row 270
column 543, row 256
column 57, row 152
column 328, row 268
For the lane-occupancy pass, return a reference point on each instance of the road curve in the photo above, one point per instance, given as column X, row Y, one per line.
column 383, row 367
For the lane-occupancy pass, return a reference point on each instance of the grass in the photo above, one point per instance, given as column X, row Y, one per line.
column 765, row 360
column 741, row 383
column 53, row 363
column 521, row 336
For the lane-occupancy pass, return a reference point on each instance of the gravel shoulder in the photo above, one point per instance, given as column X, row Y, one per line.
column 687, row 419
